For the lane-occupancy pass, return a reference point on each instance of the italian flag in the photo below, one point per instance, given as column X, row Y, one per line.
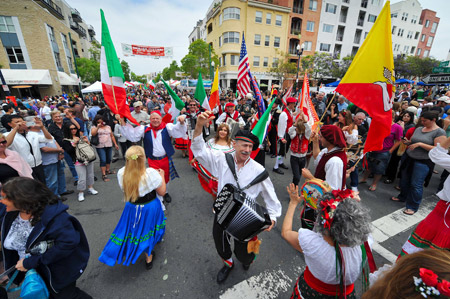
column 200, row 93
column 152, row 85
column 112, row 76
column 176, row 105
column 260, row 129
column 214, row 98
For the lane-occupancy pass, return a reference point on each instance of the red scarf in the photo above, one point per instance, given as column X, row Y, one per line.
column 155, row 129
column 235, row 116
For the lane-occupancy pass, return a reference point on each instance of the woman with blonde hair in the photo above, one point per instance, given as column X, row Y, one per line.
column 142, row 224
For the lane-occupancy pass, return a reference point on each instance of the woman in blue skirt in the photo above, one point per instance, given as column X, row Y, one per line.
column 142, row 224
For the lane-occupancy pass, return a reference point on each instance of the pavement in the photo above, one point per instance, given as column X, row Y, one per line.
column 186, row 262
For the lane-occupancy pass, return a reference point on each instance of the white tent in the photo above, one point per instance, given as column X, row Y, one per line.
column 96, row 87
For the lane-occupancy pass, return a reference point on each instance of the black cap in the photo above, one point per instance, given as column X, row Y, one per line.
column 247, row 136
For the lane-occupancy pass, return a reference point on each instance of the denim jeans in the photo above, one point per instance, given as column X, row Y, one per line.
column 297, row 164
column 411, row 184
column 71, row 165
column 54, row 177
column 104, row 154
column 354, row 179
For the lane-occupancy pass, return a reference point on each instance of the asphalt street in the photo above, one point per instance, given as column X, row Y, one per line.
column 186, row 262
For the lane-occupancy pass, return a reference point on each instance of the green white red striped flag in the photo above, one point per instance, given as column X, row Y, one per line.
column 176, row 105
column 261, row 126
column 112, row 76
column 200, row 93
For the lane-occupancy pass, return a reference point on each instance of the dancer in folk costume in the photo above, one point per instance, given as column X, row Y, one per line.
column 142, row 224
column 230, row 112
column 434, row 231
column 299, row 132
column 157, row 143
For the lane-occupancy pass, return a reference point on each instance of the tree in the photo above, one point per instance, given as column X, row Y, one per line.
column 95, row 50
column 169, row 72
column 318, row 65
column 197, row 59
column 157, row 78
column 89, row 69
column 283, row 67
column 126, row 70
column 141, row 78
column 413, row 66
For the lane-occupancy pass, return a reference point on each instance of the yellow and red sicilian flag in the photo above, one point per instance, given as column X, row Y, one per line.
column 214, row 97
column 112, row 76
column 369, row 81
column 306, row 106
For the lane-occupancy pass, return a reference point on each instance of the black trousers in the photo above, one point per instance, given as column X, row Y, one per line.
column 261, row 157
column 284, row 147
column 297, row 164
column 69, row 292
column 38, row 173
column 223, row 246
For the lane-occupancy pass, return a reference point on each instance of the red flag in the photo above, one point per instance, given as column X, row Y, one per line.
column 306, row 106
column 12, row 99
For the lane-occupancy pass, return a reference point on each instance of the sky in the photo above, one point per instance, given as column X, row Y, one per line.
column 168, row 24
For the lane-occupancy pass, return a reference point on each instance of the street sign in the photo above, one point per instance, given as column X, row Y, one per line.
column 444, row 63
column 441, row 70
column 437, row 78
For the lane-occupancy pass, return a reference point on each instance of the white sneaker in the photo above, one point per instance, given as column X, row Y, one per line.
column 92, row 191
column 80, row 196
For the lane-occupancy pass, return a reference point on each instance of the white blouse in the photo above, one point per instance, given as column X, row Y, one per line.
column 150, row 181
column 334, row 168
column 217, row 147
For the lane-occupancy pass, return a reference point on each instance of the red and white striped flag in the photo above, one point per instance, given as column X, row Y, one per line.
column 243, row 82
column 287, row 95
column 306, row 105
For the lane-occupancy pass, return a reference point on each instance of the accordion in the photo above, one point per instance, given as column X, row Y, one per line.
column 240, row 216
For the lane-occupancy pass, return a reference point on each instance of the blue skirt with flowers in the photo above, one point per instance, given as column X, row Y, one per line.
column 140, row 228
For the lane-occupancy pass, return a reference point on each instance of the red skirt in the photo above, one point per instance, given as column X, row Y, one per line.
column 181, row 144
column 207, row 180
column 432, row 232
column 163, row 164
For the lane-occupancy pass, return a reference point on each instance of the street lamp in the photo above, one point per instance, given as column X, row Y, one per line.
column 212, row 71
column 299, row 53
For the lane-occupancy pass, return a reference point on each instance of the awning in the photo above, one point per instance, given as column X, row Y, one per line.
column 29, row 77
column 96, row 87
column 65, row 79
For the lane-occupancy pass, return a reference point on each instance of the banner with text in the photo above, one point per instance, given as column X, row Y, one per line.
column 147, row 51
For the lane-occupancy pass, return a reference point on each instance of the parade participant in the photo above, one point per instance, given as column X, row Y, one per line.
column 300, row 132
column 191, row 120
column 157, row 143
column 434, row 231
column 85, row 171
column 415, row 276
column 245, row 109
column 221, row 143
column 272, row 134
column 35, row 217
column 285, row 121
column 230, row 112
column 26, row 143
column 219, row 109
column 247, row 169
column 333, row 251
column 416, row 164
column 142, row 224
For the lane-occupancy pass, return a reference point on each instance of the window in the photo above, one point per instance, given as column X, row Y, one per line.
column 434, row 27
column 307, row 46
column 64, row 41
column 15, row 54
column 327, row 28
column 429, row 41
column 365, row 34
column 405, row 16
column 220, row 19
column 422, row 39
column 275, row 62
column 412, row 50
column 417, row 35
column 220, row 61
column 331, row 8
column 224, row 60
column 231, row 37
column 69, row 62
column 419, row 51
column 410, row 34
column 267, row 41
column 257, row 39
column 400, row 32
column 51, row 33
column 393, row 29
column 58, row 61
column 234, row 59
column 255, row 60
column 325, row 47
column 406, row 49
column 426, row 53
column 220, row 41
column 276, row 42
column 371, row 18
column 394, row 15
column 427, row 23
column 414, row 20
column 231, row 13
column 258, row 17
column 310, row 26
column 6, row 24
column 266, row 62
column 313, row 5
column 278, row 20
column 268, row 18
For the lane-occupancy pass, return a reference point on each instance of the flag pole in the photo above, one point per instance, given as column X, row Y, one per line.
column 114, row 94
column 329, row 104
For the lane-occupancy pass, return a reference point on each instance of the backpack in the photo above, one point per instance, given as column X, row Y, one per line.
column 84, row 152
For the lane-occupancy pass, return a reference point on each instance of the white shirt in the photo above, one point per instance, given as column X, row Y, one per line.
column 150, row 181
column 44, row 112
column 440, row 156
column 215, row 162
column 292, row 133
column 136, row 134
column 282, row 124
column 118, row 135
column 222, row 117
column 142, row 116
column 334, row 168
column 22, row 146
column 351, row 138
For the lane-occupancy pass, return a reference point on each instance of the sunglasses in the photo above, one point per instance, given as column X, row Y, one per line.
column 73, row 129
column 3, row 142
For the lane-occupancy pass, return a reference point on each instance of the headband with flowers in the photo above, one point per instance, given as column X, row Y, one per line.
column 329, row 206
column 429, row 284
column 133, row 157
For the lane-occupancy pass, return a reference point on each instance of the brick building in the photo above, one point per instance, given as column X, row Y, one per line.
column 430, row 23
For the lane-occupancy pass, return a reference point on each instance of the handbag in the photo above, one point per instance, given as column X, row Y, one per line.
column 84, row 152
column 95, row 140
column 32, row 287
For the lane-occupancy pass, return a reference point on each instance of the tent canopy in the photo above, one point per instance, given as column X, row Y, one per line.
column 96, row 87
column 403, row 81
column 333, row 84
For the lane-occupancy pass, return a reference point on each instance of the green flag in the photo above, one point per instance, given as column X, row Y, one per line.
column 200, row 93
column 261, row 126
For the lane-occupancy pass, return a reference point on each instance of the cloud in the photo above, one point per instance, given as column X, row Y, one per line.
column 144, row 22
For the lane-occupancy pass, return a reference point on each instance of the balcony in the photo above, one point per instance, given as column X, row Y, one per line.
column 76, row 15
column 296, row 26
column 360, row 22
column 357, row 38
column 77, row 28
column 51, row 7
column 339, row 38
column 298, row 6
column 91, row 30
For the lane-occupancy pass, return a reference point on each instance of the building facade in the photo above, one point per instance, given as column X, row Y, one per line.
column 344, row 24
column 199, row 32
column 430, row 23
column 39, row 41
column 265, row 27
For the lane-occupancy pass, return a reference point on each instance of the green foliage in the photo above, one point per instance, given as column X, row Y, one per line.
column 318, row 65
column 89, row 69
column 197, row 59
column 413, row 66
column 95, row 50
column 284, row 66
column 126, row 70
column 157, row 78
column 141, row 78
column 340, row 67
column 169, row 72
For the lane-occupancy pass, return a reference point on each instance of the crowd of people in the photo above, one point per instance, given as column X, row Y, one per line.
column 39, row 138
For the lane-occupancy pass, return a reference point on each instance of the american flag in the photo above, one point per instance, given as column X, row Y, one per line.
column 243, row 82
column 258, row 96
